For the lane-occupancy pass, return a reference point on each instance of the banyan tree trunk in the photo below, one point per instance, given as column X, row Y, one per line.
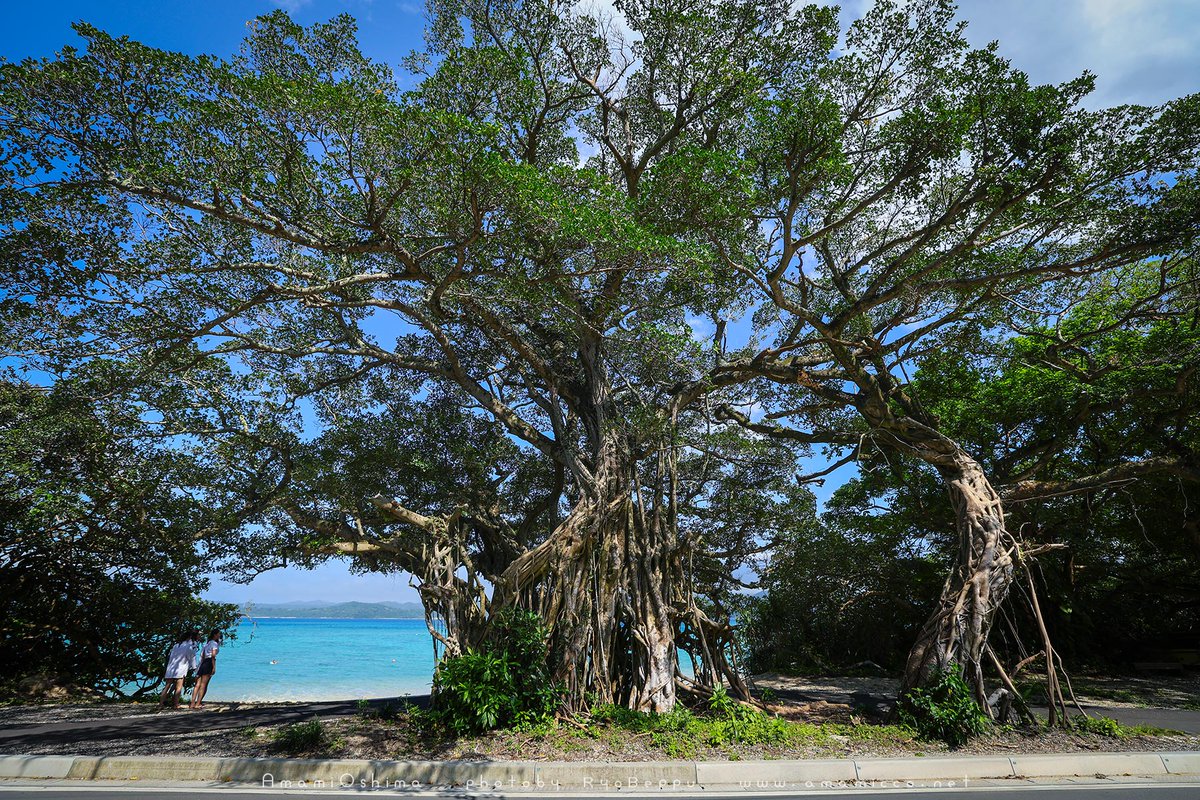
column 656, row 677
column 957, row 632
column 596, row 583
column 653, row 579
column 455, row 608
column 578, row 599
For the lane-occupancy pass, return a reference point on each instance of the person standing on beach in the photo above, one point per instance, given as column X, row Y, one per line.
column 208, row 666
column 180, row 661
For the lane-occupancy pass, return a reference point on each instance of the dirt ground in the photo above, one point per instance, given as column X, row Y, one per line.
column 837, row 716
column 398, row 740
column 408, row 738
column 1178, row 691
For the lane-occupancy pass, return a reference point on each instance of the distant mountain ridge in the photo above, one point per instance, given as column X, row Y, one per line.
column 348, row 610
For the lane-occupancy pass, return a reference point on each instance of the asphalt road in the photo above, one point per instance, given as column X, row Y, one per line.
column 1108, row 792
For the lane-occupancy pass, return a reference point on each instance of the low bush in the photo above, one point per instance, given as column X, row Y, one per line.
column 945, row 711
column 503, row 684
column 387, row 712
column 303, row 737
column 1104, row 726
column 736, row 723
column 680, row 732
column 677, row 733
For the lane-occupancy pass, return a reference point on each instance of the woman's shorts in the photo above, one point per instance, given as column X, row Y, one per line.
column 206, row 667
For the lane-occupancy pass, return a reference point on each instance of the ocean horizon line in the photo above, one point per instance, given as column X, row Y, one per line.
column 294, row 658
column 247, row 615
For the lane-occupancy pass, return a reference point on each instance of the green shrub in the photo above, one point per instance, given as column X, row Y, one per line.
column 946, row 710
column 504, row 684
column 474, row 691
column 303, row 737
column 1104, row 726
column 735, row 723
column 386, row 712
column 679, row 732
column 676, row 733
column 522, row 636
column 1099, row 726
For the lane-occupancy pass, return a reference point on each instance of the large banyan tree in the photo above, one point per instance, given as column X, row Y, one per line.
column 919, row 196
column 507, row 293
column 293, row 213
column 915, row 194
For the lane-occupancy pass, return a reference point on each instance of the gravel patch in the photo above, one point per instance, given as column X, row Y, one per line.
column 223, row 744
column 24, row 716
column 1122, row 691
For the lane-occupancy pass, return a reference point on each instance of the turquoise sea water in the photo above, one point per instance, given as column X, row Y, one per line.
column 324, row 659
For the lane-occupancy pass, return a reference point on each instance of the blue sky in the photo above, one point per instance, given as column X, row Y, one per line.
column 1143, row 51
column 388, row 29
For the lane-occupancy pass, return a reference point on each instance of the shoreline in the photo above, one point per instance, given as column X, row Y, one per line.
column 325, row 698
column 251, row 616
column 287, row 655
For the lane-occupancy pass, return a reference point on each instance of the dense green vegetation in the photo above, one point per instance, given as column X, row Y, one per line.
column 567, row 324
column 1064, row 404
column 504, row 684
column 945, row 710
column 99, row 568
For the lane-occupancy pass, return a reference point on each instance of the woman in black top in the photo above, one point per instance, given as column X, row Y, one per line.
column 208, row 666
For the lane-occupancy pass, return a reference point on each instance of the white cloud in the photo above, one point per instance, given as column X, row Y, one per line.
column 1141, row 51
column 606, row 11
column 291, row 6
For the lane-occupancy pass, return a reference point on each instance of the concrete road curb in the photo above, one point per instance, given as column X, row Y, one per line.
column 532, row 775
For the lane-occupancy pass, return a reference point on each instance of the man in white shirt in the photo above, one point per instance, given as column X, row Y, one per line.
column 180, row 661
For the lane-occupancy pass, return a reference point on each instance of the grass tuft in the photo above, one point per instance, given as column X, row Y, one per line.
column 304, row 737
column 1104, row 726
column 680, row 733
